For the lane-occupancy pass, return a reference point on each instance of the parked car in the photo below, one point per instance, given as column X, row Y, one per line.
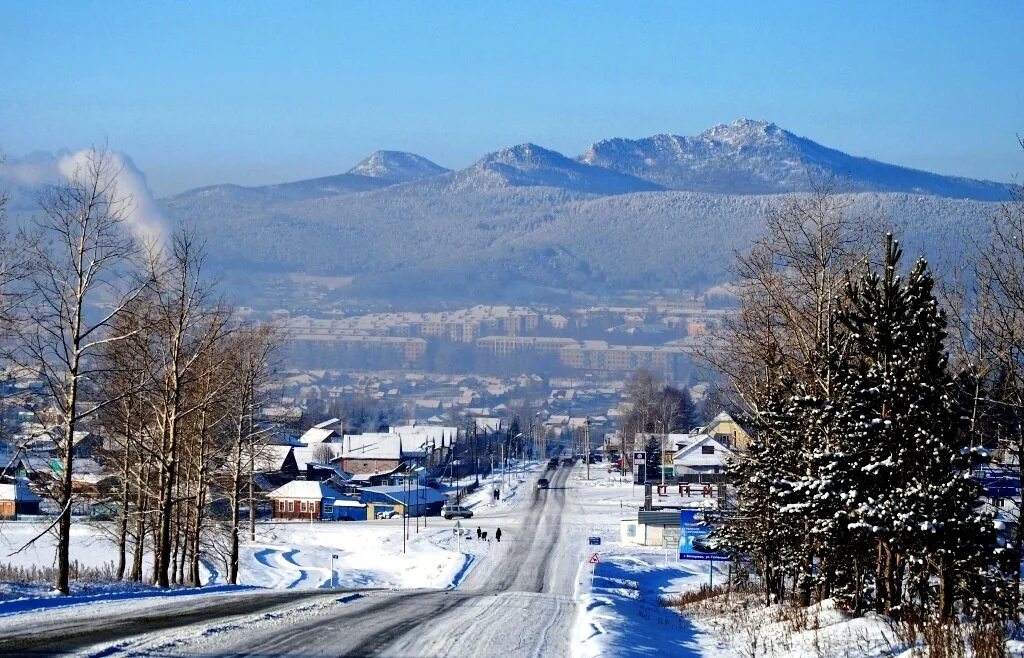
column 542, row 483
column 453, row 511
column 387, row 514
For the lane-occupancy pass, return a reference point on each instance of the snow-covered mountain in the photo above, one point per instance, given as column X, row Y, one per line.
column 628, row 214
column 529, row 165
column 396, row 167
column 758, row 157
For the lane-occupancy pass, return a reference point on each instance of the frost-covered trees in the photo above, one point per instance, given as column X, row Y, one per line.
column 857, row 482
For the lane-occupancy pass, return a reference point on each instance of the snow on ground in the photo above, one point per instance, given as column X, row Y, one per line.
column 285, row 555
column 619, row 598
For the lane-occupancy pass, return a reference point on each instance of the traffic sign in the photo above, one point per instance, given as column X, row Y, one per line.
column 639, row 457
column 595, row 541
column 593, row 559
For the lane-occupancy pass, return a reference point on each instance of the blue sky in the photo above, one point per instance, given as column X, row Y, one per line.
column 261, row 92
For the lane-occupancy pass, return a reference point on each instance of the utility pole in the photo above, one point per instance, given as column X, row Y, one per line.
column 586, row 446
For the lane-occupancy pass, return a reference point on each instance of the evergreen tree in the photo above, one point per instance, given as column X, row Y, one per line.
column 902, row 437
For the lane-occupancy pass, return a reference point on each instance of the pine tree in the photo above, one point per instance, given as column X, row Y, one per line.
column 902, row 437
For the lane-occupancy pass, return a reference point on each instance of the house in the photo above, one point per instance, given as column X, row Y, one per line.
column 308, row 500
column 412, row 500
column 16, row 498
column 703, row 460
column 727, row 431
column 374, row 452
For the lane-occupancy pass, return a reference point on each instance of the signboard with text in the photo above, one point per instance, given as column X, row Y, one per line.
column 639, row 457
column 693, row 538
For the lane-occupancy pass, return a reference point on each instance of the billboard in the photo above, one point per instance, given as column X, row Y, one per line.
column 693, row 534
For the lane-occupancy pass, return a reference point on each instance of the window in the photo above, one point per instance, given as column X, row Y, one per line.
column 328, row 508
column 291, row 505
column 280, row 506
column 707, row 450
column 304, row 506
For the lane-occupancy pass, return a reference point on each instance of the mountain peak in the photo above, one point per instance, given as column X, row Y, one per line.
column 758, row 157
column 745, row 131
column 530, row 165
column 396, row 167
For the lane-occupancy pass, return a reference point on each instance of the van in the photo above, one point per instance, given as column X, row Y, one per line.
column 453, row 511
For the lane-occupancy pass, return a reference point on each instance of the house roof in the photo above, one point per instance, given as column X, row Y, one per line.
column 315, row 435
column 376, row 445
column 327, row 424
column 272, row 458
column 414, row 437
column 404, row 495
column 691, row 456
column 305, row 490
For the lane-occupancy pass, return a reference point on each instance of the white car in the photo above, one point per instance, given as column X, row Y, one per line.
column 389, row 514
column 453, row 511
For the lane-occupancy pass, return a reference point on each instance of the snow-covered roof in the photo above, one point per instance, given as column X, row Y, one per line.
column 413, row 495
column 415, row 437
column 375, row 445
column 305, row 490
column 272, row 458
column 315, row 435
column 692, row 455
column 327, row 424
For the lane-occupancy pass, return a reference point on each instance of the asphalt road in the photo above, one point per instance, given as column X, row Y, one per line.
column 518, row 602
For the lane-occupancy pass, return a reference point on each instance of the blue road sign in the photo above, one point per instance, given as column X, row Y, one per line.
column 693, row 539
column 595, row 541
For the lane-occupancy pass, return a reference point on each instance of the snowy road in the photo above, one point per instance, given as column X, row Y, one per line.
column 517, row 601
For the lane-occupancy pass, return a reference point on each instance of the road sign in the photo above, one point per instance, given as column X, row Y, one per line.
column 334, row 557
column 593, row 559
column 693, row 533
column 639, row 457
column 595, row 541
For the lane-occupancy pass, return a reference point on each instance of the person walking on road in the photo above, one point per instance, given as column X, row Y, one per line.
column 497, row 535
column 478, row 532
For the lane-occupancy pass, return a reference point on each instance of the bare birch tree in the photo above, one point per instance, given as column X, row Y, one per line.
column 189, row 324
column 82, row 279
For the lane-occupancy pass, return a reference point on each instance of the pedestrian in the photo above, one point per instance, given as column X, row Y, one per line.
column 497, row 535
column 478, row 532
column 485, row 536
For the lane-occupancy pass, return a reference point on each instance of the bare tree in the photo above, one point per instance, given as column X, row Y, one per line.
column 189, row 325
column 82, row 280
column 249, row 363
column 786, row 284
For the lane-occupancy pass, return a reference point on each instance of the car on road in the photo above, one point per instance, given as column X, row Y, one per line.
column 456, row 511
column 568, row 461
column 542, row 483
column 553, row 462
